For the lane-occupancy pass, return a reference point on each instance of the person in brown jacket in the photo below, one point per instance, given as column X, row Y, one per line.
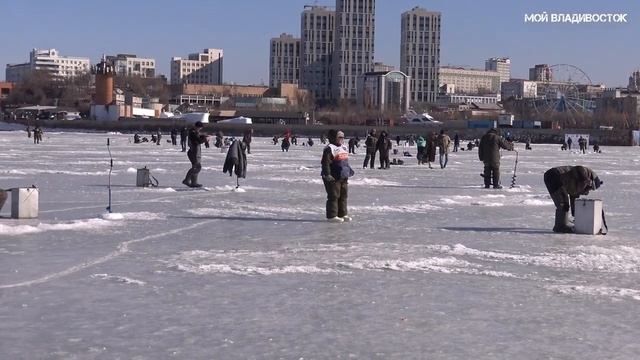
column 430, row 151
column 565, row 184
column 444, row 142
column 489, row 154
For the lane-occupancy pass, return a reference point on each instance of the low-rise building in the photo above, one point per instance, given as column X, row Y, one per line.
column 541, row 72
column 384, row 91
column 444, row 99
column 519, row 89
column 470, row 81
column 48, row 60
column 199, row 68
column 5, row 89
column 131, row 65
column 240, row 95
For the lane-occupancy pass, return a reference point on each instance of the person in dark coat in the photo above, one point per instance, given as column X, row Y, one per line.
column 310, row 142
column 28, row 131
column 37, row 135
column 158, row 136
column 370, row 145
column 398, row 140
column 352, row 146
column 456, row 142
column 174, row 136
column 136, row 139
column 335, row 176
column 183, row 138
column 565, row 184
column 194, row 154
column 236, row 160
column 489, row 154
column 569, row 142
column 285, row 144
column 383, row 146
column 219, row 140
column 246, row 139
column 430, row 150
column 582, row 142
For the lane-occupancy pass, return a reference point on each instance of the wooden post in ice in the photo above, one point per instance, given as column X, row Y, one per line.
column 588, row 219
column 24, row 203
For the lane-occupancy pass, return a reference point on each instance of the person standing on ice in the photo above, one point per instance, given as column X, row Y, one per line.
column 174, row 136
column 246, row 139
column 194, row 154
column 183, row 138
column 422, row 145
column 335, row 176
column 370, row 145
column 444, row 142
column 489, row 154
column 384, row 146
column 569, row 142
column 565, row 184
column 456, row 142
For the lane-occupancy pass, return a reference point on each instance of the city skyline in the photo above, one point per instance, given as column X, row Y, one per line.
column 471, row 33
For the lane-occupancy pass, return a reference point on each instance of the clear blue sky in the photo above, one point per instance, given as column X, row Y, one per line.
column 473, row 30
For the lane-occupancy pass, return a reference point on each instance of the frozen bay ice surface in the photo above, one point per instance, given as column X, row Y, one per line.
column 433, row 266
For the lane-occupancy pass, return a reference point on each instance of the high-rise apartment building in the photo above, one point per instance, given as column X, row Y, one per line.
column 198, row 68
column 48, row 60
column 284, row 60
column 317, row 29
column 501, row 65
column 354, row 46
column 420, row 52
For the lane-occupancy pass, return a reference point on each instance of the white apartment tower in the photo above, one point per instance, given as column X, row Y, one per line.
column 284, row 60
column 354, row 46
column 48, row 60
column 501, row 65
column 420, row 52
column 198, row 68
column 317, row 27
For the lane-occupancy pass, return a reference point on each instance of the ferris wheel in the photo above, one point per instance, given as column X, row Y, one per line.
column 560, row 95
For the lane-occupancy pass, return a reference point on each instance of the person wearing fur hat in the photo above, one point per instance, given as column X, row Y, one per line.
column 335, row 176
column 565, row 184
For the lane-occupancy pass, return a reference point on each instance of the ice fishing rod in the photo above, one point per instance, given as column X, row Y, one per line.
column 515, row 168
column 110, row 169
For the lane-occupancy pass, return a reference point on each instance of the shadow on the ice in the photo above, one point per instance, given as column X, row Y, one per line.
column 247, row 218
column 498, row 229
column 428, row 187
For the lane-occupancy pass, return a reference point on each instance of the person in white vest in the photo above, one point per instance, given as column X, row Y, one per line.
column 335, row 175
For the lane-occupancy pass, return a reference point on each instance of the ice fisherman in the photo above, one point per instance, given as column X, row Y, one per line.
column 384, row 146
column 444, row 143
column 565, row 184
column 335, row 176
column 246, row 139
column 183, row 138
column 370, row 145
column 489, row 154
column 194, row 154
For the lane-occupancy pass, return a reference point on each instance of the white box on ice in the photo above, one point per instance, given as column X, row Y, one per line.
column 24, row 203
column 588, row 219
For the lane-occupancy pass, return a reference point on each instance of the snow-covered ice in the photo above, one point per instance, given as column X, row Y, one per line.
column 433, row 266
